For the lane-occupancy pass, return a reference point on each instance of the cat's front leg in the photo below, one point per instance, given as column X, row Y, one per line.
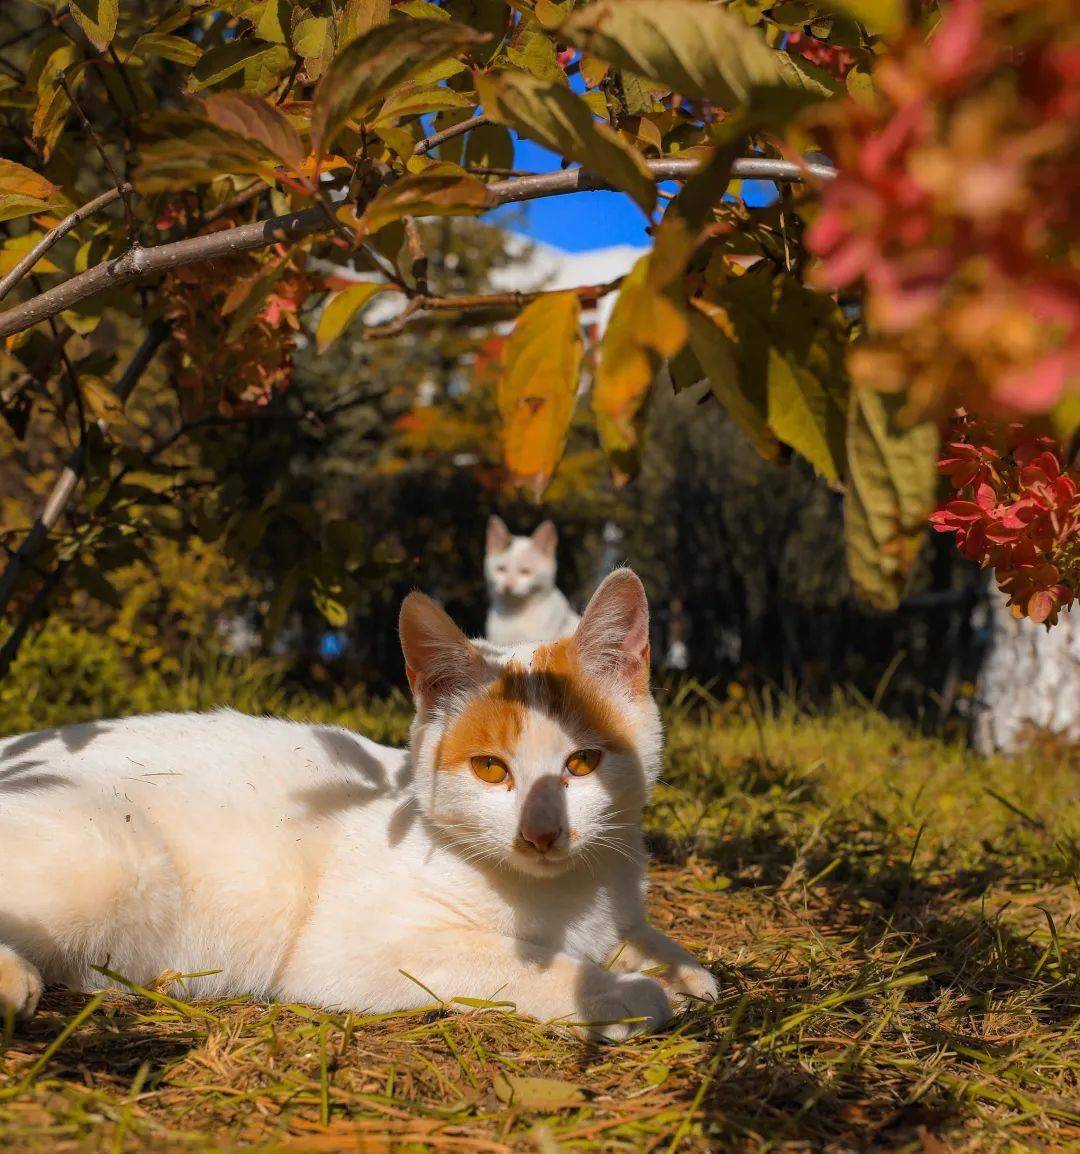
column 546, row 984
column 678, row 971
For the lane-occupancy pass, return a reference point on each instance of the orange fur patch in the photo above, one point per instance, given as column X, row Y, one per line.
column 556, row 685
column 490, row 724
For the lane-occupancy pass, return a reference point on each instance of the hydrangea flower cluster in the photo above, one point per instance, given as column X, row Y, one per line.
column 956, row 209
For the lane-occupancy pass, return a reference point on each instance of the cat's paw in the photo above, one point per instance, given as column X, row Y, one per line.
column 687, row 984
column 630, row 1004
column 20, row 985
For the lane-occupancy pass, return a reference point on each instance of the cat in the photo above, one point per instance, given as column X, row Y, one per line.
column 499, row 856
column 526, row 604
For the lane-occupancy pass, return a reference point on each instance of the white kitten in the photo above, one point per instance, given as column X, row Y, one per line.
column 499, row 857
column 520, row 574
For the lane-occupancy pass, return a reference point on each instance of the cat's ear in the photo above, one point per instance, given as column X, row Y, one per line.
column 545, row 537
column 613, row 637
column 498, row 536
column 439, row 659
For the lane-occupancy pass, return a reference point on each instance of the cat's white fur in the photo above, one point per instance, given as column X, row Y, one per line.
column 525, row 603
column 307, row 863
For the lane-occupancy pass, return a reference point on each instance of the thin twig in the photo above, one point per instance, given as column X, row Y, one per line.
column 236, row 202
column 417, row 256
column 422, row 147
column 133, row 231
column 8, row 282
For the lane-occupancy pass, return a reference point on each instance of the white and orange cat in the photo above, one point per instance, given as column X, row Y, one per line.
column 525, row 603
column 499, row 857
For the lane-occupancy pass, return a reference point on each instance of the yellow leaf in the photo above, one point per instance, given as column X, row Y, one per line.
column 538, row 387
column 645, row 327
column 97, row 18
column 340, row 309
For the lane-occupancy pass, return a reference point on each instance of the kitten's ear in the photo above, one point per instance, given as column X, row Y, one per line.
column 613, row 637
column 498, row 536
column 545, row 537
column 439, row 659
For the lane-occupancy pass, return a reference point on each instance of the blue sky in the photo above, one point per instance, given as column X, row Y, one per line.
column 587, row 220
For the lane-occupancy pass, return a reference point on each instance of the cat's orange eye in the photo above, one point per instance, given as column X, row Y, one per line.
column 582, row 761
column 493, row 770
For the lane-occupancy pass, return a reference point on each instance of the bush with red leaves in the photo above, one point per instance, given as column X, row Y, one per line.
column 234, row 325
column 1016, row 509
column 839, row 61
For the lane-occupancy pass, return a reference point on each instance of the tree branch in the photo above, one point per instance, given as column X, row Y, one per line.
column 140, row 262
column 24, row 266
column 484, row 302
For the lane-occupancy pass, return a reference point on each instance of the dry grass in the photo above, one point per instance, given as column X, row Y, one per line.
column 898, row 949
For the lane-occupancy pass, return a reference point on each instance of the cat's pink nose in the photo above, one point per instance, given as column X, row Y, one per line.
column 541, row 840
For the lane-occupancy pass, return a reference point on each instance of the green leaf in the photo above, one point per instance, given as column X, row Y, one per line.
column 186, row 151
column 778, row 359
column 705, row 189
column 892, row 482
column 696, row 49
column 97, row 19
column 313, row 39
column 552, row 116
column 721, row 352
column 526, row 1093
column 254, row 118
column 228, row 59
column 538, row 386
column 421, row 100
column 272, row 21
column 805, row 414
column 340, row 309
column 533, row 51
column 441, row 190
column 178, row 49
column 489, row 146
column 370, row 67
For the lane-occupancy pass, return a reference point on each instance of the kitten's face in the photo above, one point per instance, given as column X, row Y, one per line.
column 518, row 567
column 535, row 757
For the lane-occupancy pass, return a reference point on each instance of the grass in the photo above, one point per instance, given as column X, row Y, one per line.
column 896, row 926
